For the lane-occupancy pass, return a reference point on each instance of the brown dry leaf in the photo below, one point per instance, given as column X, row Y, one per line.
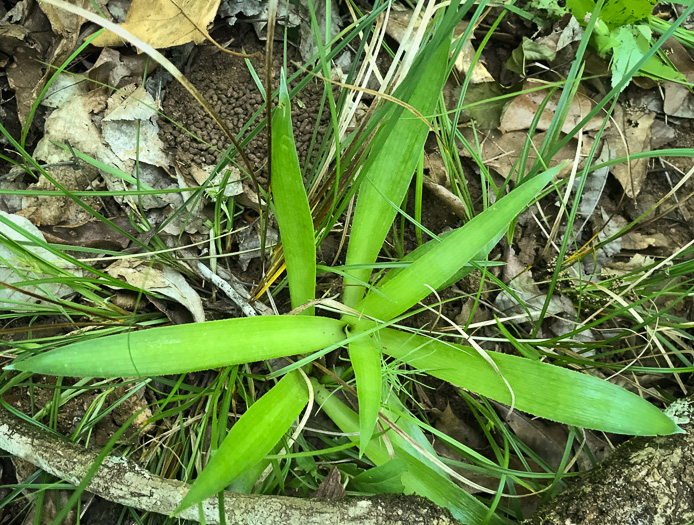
column 500, row 150
column 165, row 23
column 453, row 426
column 525, row 289
column 115, row 70
column 130, row 128
column 66, row 32
column 547, row 439
column 92, row 234
column 23, row 50
column 331, row 487
column 71, row 122
column 633, row 128
column 520, row 113
column 159, row 279
column 678, row 101
column 64, row 23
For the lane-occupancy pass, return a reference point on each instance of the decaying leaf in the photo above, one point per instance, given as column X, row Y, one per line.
column 165, row 23
column 633, row 136
column 130, row 128
column 117, row 70
column 520, row 113
column 17, row 265
column 500, row 151
column 159, row 279
column 70, row 123
column 528, row 296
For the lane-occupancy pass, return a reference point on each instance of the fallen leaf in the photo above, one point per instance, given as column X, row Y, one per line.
column 165, row 23
column 633, row 127
column 159, row 279
column 24, row 55
column 500, row 151
column 520, row 113
column 547, row 439
column 117, row 70
column 16, row 265
column 529, row 299
column 130, row 128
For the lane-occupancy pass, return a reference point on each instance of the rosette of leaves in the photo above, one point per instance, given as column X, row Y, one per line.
column 567, row 396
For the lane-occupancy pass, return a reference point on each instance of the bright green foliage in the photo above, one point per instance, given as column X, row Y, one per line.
column 389, row 170
column 617, row 13
column 266, row 421
column 189, row 347
column 544, row 390
column 622, row 32
column 291, row 206
column 413, row 475
column 442, row 261
column 532, row 386
column 366, row 361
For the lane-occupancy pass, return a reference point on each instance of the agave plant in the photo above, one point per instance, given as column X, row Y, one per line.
column 367, row 329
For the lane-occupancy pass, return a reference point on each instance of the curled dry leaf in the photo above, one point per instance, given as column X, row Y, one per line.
column 633, row 136
column 158, row 279
column 16, row 267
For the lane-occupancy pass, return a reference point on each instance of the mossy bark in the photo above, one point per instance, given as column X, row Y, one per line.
column 646, row 480
column 122, row 481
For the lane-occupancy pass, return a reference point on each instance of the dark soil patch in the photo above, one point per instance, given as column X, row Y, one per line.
column 226, row 82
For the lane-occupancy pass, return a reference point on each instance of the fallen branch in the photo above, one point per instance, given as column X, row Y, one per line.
column 645, row 480
column 122, row 481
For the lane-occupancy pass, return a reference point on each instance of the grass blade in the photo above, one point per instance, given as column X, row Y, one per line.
column 389, row 169
column 366, row 361
column 291, row 206
column 565, row 396
column 251, row 438
column 417, row 478
column 443, row 261
column 188, row 347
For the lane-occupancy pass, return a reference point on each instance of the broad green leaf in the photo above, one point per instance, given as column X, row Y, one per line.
column 394, row 409
column 415, row 254
column 188, row 347
column 444, row 260
column 618, row 13
column 251, row 437
column 420, row 478
column 541, row 389
column 390, row 167
column 384, row 479
column 417, row 477
column 291, row 206
column 366, row 361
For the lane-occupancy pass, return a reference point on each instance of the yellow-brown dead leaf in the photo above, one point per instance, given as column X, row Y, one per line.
column 165, row 23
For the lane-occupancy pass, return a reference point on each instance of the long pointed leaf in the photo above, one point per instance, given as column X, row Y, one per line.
column 291, row 206
column 189, row 347
column 541, row 389
column 389, row 170
column 418, row 477
column 366, row 361
column 251, row 437
column 443, row 261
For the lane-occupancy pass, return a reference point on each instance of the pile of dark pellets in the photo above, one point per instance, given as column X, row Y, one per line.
column 226, row 82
